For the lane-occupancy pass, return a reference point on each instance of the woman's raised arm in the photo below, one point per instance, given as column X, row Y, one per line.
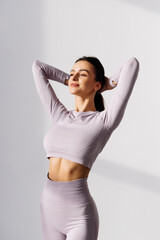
column 41, row 73
column 125, row 79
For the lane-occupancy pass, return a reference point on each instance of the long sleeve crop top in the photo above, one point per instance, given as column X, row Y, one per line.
column 81, row 136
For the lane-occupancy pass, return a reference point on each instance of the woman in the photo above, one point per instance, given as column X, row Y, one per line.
column 75, row 139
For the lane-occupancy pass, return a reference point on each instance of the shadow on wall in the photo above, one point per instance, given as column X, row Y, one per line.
column 151, row 5
column 128, row 175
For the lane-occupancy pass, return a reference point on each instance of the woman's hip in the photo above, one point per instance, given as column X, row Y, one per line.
column 66, row 194
column 68, row 204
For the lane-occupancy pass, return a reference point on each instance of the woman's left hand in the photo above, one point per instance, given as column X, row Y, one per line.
column 106, row 86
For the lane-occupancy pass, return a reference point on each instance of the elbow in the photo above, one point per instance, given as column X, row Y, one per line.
column 35, row 65
column 133, row 61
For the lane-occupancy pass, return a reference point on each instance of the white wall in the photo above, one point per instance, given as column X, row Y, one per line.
column 125, row 179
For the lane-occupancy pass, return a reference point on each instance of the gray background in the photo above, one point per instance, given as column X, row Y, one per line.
column 125, row 179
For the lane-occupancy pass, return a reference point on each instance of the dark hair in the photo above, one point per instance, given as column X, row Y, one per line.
column 100, row 77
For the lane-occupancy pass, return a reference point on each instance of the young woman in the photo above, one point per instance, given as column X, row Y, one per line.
column 75, row 139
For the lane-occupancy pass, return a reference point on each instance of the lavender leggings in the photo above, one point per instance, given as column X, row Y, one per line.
column 68, row 211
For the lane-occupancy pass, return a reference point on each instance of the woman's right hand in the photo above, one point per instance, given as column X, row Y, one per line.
column 66, row 82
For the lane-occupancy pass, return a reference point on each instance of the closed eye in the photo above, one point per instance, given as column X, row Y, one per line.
column 80, row 74
column 84, row 75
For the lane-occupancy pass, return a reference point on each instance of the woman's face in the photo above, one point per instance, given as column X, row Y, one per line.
column 82, row 79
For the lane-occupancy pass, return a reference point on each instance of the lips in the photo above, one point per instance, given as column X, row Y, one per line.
column 74, row 85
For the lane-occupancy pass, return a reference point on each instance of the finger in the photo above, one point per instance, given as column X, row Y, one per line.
column 114, row 82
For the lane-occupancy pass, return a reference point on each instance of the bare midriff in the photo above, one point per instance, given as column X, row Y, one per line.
column 61, row 169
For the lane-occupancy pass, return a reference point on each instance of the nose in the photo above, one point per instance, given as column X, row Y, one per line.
column 75, row 76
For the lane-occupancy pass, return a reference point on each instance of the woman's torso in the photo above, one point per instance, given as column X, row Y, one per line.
column 61, row 169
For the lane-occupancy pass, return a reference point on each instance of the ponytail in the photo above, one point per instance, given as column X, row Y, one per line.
column 99, row 102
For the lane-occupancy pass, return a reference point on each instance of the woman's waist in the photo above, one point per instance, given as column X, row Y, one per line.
column 61, row 169
column 69, row 193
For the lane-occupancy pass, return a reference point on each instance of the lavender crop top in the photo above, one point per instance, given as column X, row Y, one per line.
column 81, row 136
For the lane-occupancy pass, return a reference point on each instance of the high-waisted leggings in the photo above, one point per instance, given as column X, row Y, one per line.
column 68, row 211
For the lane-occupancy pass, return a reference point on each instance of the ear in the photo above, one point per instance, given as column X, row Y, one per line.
column 97, row 86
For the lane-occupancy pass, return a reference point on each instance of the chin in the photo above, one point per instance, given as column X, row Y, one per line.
column 73, row 92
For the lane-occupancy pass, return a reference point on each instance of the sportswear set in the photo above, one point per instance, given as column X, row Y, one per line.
column 67, row 208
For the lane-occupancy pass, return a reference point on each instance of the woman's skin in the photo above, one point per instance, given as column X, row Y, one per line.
column 82, row 73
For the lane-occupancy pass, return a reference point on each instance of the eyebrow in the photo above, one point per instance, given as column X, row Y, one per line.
column 81, row 70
